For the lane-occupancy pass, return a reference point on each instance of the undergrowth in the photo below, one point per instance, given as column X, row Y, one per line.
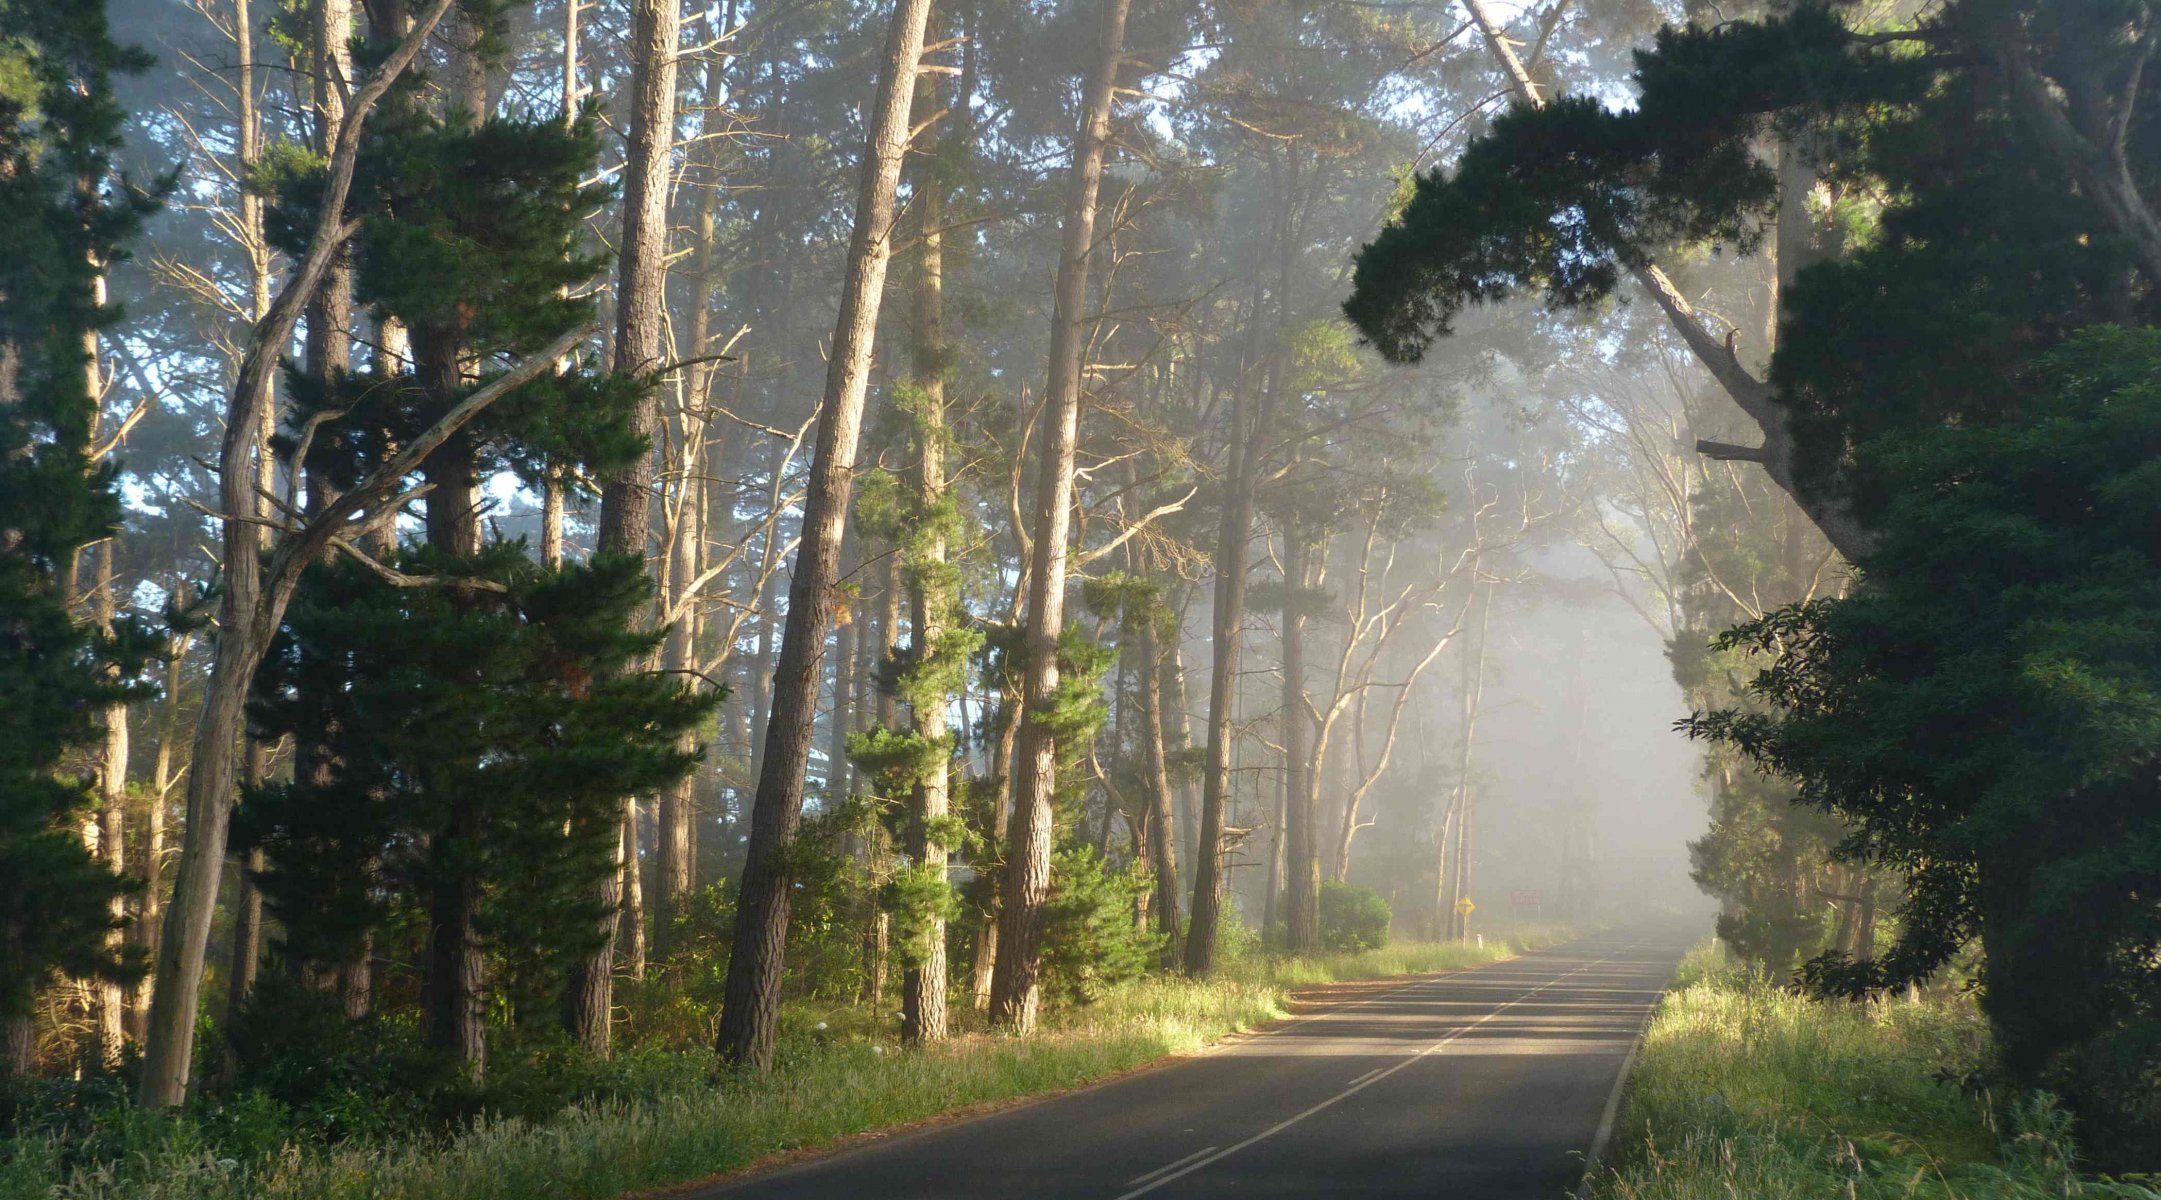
column 1748, row 1089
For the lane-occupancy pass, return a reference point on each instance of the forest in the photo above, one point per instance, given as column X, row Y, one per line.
column 602, row 594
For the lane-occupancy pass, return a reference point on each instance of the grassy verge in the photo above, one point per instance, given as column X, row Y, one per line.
column 1747, row 1090
column 831, row 1086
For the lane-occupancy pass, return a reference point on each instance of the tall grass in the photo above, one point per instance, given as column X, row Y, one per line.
column 830, row 1086
column 1748, row 1090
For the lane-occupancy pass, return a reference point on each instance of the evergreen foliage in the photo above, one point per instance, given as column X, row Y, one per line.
column 69, row 214
column 1982, row 714
column 516, row 702
column 1091, row 941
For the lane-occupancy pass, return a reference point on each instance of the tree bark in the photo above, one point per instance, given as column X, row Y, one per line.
column 640, row 329
column 1301, row 816
column 1474, row 687
column 751, row 1004
column 149, row 917
column 1014, row 982
column 1003, row 744
column 931, row 601
column 1155, row 777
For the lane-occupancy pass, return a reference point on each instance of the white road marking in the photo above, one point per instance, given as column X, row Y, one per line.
column 1170, row 1166
column 1362, row 1078
column 1168, row 1174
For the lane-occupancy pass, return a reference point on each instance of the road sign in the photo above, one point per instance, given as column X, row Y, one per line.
column 1524, row 898
column 1465, row 906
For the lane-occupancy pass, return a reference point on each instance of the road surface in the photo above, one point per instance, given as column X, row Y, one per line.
column 1488, row 1084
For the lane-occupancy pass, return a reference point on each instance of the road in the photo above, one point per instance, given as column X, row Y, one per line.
column 1488, row 1084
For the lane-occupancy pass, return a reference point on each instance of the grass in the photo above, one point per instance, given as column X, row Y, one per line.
column 830, row 1086
column 1748, row 1090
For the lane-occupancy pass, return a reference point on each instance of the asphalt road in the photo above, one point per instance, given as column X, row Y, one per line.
column 1482, row 1085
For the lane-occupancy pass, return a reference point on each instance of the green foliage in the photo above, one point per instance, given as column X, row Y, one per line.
column 422, row 704
column 68, row 211
column 1747, row 1089
column 1353, row 918
column 1091, row 939
column 1761, row 856
column 1981, row 712
column 1554, row 198
column 917, row 896
column 1076, row 708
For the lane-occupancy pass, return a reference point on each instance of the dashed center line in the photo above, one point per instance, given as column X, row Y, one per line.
column 1144, row 1184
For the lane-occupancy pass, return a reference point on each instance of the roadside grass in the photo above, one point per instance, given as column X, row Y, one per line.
column 1745, row 1089
column 832, row 1083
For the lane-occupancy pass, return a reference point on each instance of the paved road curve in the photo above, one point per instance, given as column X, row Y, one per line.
column 1482, row 1085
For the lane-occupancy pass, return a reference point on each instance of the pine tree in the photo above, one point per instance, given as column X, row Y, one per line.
column 475, row 756
column 59, row 132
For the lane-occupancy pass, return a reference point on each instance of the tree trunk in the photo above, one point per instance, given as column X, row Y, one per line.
column 878, row 844
column 18, row 1049
column 1001, row 824
column 1443, row 900
column 1302, row 856
column 640, row 328
column 1474, row 686
column 1014, row 982
column 330, row 314
column 674, row 819
column 838, row 783
column 931, row 600
column 761, row 680
column 112, row 818
column 1178, row 735
column 149, row 917
column 1155, row 778
column 1226, row 620
column 751, row 1006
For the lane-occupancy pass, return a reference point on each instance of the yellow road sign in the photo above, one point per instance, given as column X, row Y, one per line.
column 1465, row 906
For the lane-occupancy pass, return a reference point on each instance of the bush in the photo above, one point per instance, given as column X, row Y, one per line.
column 1353, row 918
column 1091, row 937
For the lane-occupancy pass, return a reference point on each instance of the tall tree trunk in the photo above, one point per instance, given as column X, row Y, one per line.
column 674, row 822
column 1155, row 779
column 1014, row 979
column 640, row 329
column 761, row 678
column 630, row 928
column 878, row 844
column 1178, row 735
column 1474, row 687
column 111, row 821
column 1002, row 745
column 838, row 782
column 931, row 601
column 1301, row 816
column 1277, row 817
column 1227, row 620
column 150, row 916
column 1443, row 875
column 751, row 1005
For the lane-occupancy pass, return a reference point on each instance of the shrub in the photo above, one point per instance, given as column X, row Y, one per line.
column 1091, row 937
column 1353, row 918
